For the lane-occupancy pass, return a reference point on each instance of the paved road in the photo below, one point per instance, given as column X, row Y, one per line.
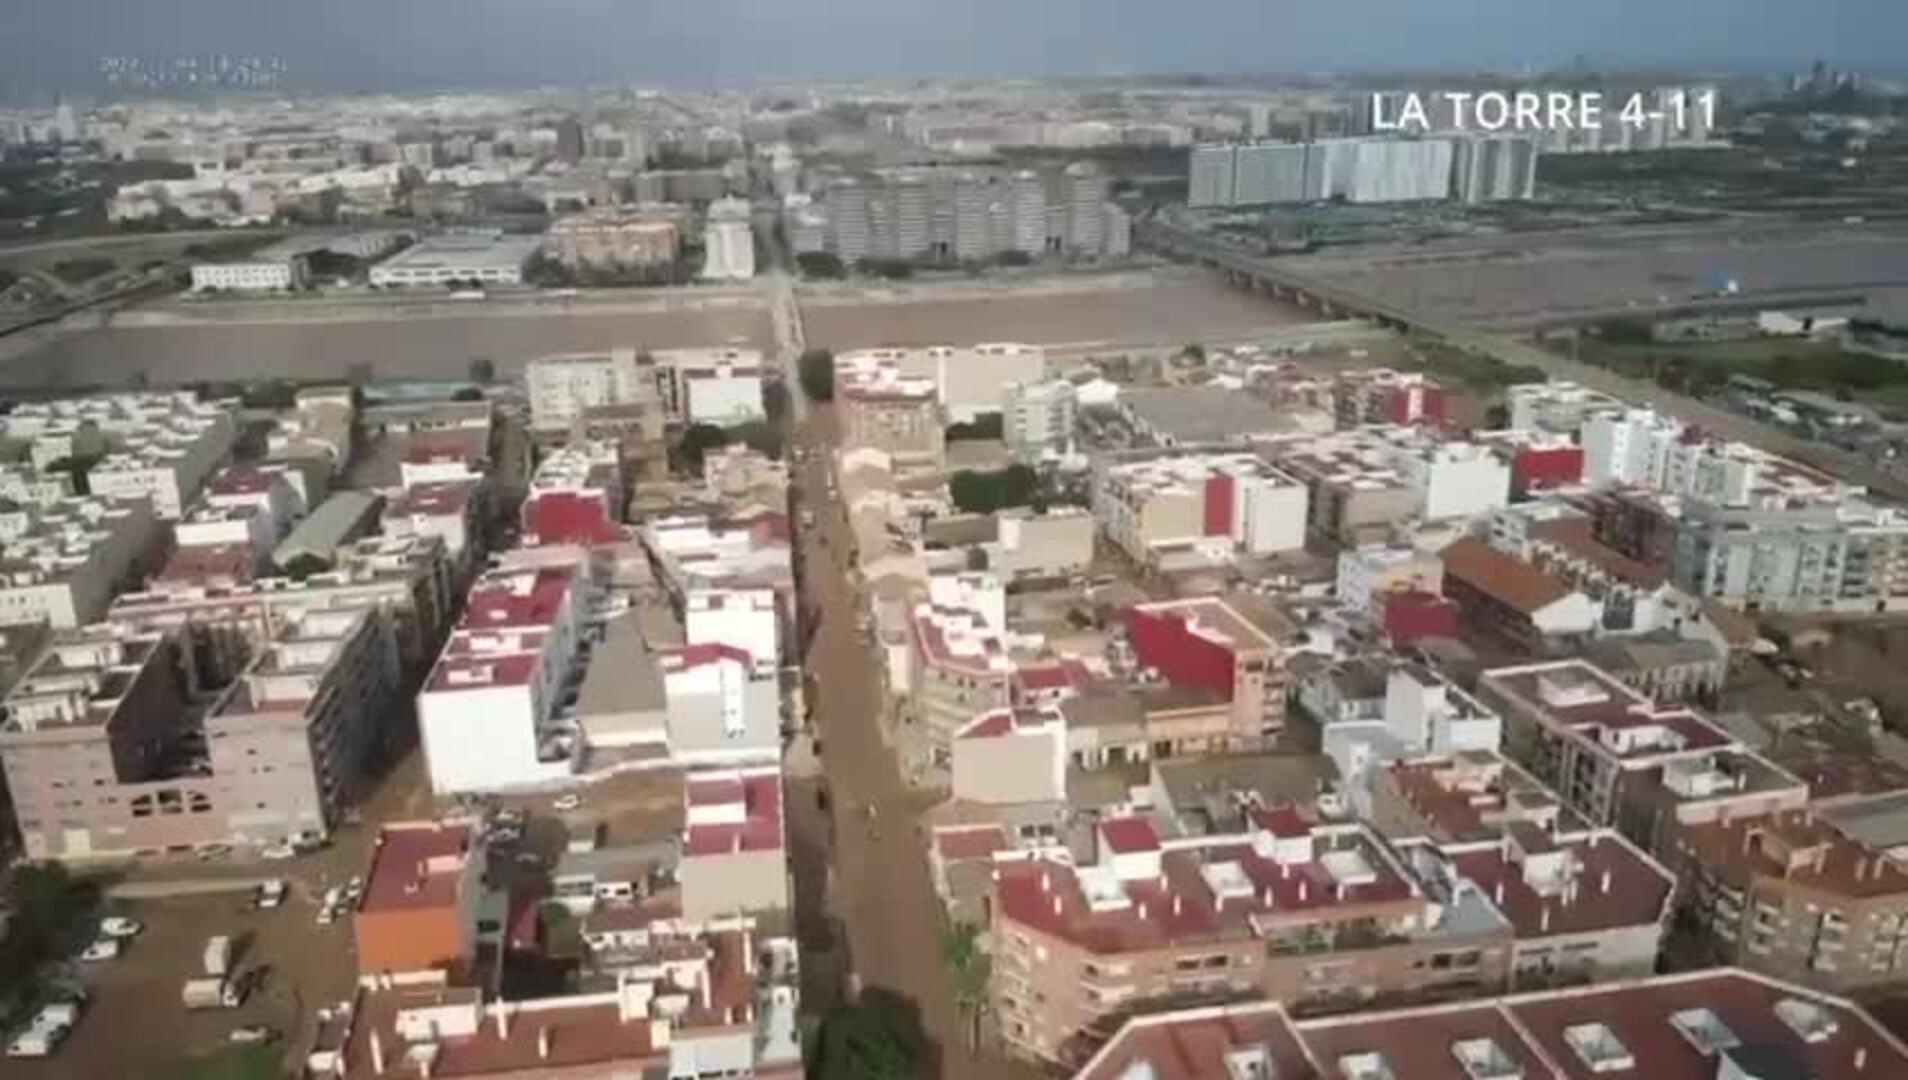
column 883, row 893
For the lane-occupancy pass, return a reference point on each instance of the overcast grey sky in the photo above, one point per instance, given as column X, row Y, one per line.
column 381, row 42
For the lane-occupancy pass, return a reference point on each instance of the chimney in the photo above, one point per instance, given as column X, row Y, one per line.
column 1044, row 883
column 377, row 1055
column 1861, row 1058
column 1176, row 905
column 1056, row 905
column 503, row 1024
column 1604, row 885
column 1498, row 893
column 1543, row 921
column 543, row 1043
column 1142, row 910
column 1304, row 890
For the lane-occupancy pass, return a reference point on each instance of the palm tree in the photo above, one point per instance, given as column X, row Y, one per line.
column 971, row 967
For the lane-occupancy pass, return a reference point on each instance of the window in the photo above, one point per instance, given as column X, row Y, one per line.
column 1598, row 1047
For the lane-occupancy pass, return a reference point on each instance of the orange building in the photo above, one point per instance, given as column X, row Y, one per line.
column 419, row 908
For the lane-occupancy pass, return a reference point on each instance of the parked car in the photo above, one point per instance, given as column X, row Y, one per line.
column 270, row 894
column 36, row 1042
column 567, row 802
column 118, row 926
column 253, row 1033
column 101, row 949
column 277, row 852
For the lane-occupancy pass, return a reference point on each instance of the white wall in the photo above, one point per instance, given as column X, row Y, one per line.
column 482, row 739
column 1268, row 515
column 743, row 618
column 719, row 398
column 1462, row 487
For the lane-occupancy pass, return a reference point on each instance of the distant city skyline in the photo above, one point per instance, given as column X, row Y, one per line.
column 346, row 44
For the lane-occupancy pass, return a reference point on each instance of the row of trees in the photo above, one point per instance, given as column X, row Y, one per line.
column 976, row 492
column 879, row 1036
column 827, row 266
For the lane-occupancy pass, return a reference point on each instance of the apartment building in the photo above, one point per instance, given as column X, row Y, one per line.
column 1011, row 756
column 161, row 446
column 409, row 579
column 1619, row 759
column 882, row 409
column 1789, row 895
column 1217, row 658
column 1367, row 481
column 1383, row 396
column 746, row 620
column 422, row 896
column 698, row 552
column 485, row 710
column 62, row 562
column 104, row 758
column 959, row 666
column 1584, row 907
column 734, row 847
column 710, row 386
column 1555, row 407
column 1456, row 798
column 293, row 734
column 1223, row 502
column 613, row 237
column 1367, row 574
column 1051, row 544
column 1037, row 419
column 1320, row 917
column 1699, row 1025
column 970, row 379
column 562, row 388
column 577, row 496
column 1740, row 525
column 99, row 758
column 451, row 511
column 1506, row 599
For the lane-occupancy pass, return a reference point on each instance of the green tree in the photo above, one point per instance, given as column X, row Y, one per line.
column 483, row 371
column 877, row 1038
column 816, row 370
column 41, row 899
column 820, row 265
column 984, row 426
column 985, row 492
column 970, row 967
column 1626, row 331
column 974, row 492
column 760, row 436
column 697, row 441
column 774, row 399
column 304, row 565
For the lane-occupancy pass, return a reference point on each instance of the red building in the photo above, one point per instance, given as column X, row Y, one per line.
column 576, row 497
column 1208, row 645
column 1413, row 614
column 1541, row 468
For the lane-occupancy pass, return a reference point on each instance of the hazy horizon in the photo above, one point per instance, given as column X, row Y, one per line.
column 381, row 44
